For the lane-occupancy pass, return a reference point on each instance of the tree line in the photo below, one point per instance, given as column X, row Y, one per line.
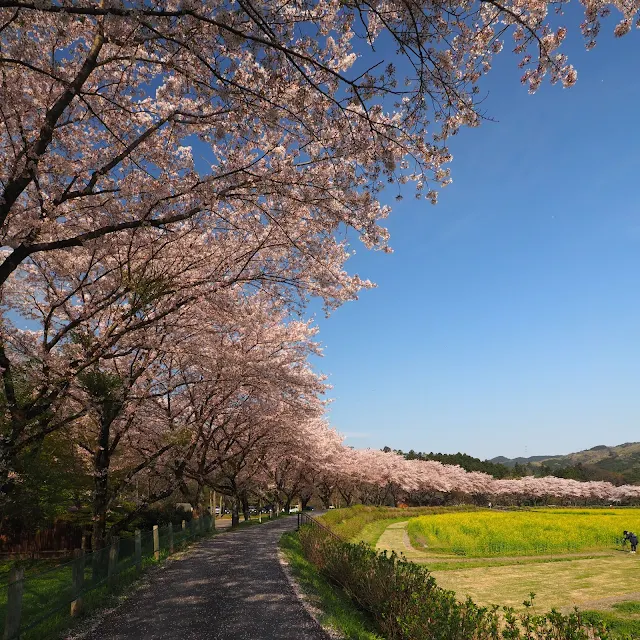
column 584, row 472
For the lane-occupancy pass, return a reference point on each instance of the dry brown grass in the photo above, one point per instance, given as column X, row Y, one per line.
column 588, row 581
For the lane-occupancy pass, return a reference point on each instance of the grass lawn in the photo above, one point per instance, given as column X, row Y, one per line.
column 585, row 583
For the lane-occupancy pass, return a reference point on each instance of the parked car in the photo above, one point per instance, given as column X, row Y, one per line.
column 294, row 509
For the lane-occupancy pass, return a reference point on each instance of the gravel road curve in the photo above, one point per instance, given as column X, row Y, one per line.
column 228, row 587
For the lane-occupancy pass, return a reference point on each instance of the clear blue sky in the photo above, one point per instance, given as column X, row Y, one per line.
column 507, row 322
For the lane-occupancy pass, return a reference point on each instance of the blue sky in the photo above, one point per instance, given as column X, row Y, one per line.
column 507, row 321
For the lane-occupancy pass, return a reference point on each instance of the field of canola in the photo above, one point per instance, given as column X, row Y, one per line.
column 513, row 533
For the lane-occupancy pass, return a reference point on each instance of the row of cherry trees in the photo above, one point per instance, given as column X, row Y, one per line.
column 177, row 180
column 376, row 477
column 155, row 370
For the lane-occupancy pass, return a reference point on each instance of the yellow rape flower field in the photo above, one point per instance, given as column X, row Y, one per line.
column 507, row 533
column 567, row 557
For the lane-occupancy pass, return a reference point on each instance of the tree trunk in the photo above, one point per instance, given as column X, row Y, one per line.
column 325, row 496
column 245, row 506
column 100, row 488
column 101, row 462
column 197, row 501
column 235, row 516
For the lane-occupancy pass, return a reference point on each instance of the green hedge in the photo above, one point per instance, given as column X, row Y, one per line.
column 406, row 604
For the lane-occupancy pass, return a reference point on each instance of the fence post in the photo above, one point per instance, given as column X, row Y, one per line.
column 14, row 603
column 138, row 550
column 170, row 537
column 78, row 582
column 156, row 542
column 113, row 560
column 192, row 527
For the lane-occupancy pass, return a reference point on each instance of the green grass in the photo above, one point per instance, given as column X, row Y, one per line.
column 372, row 531
column 30, row 566
column 476, row 563
column 47, row 589
column 619, row 626
column 631, row 606
column 337, row 610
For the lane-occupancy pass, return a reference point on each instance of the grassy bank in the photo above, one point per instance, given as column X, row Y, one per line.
column 335, row 609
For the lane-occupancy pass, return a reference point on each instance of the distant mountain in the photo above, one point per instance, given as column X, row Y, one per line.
column 512, row 462
column 617, row 464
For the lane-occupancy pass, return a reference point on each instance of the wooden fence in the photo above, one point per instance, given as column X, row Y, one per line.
column 56, row 540
column 35, row 605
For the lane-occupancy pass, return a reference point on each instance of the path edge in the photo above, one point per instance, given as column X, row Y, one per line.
column 314, row 611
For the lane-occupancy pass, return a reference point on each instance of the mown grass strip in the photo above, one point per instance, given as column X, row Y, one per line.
column 454, row 565
column 372, row 531
column 630, row 606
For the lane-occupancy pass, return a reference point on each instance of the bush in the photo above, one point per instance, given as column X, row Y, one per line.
column 406, row 603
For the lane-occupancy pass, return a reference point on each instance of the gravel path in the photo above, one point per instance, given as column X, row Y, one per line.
column 228, row 587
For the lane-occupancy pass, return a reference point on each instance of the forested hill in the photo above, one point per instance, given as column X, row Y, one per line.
column 618, row 465
column 468, row 463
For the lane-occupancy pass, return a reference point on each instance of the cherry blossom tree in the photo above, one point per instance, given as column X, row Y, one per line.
column 252, row 117
column 105, row 100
